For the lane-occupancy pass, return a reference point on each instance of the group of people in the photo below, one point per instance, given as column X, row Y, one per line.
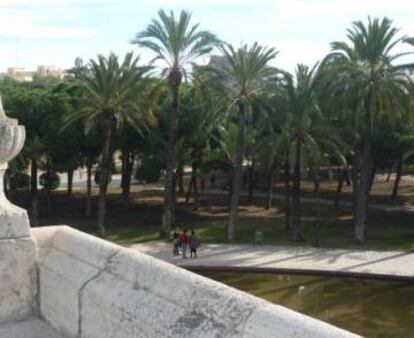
column 185, row 242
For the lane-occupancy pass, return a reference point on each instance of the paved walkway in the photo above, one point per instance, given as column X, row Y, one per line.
column 369, row 264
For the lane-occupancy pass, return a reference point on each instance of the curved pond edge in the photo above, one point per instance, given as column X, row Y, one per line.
column 303, row 272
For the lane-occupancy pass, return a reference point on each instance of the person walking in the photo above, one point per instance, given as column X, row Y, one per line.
column 184, row 240
column 176, row 242
column 194, row 244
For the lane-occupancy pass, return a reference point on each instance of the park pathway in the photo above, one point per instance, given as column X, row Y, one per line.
column 322, row 201
column 391, row 265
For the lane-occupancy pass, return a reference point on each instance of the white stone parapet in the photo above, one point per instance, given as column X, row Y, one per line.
column 18, row 282
column 92, row 288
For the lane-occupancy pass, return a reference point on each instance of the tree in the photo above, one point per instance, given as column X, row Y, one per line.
column 309, row 131
column 66, row 147
column 39, row 110
column 202, row 115
column 176, row 43
column 366, row 73
column 130, row 141
column 88, row 144
column 245, row 74
column 111, row 93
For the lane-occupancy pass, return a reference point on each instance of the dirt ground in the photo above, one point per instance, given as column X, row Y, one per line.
column 328, row 226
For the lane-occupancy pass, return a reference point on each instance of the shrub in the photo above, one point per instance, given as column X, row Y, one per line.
column 49, row 181
column 149, row 170
column 20, row 180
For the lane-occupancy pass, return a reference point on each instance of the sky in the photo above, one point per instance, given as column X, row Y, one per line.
column 55, row 32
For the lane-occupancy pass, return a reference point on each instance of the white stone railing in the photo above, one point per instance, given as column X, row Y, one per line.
column 92, row 288
column 17, row 249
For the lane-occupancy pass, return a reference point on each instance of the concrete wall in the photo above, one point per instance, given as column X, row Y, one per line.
column 92, row 288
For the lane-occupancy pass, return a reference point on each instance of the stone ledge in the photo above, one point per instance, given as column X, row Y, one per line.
column 14, row 221
column 18, row 282
column 33, row 328
column 93, row 288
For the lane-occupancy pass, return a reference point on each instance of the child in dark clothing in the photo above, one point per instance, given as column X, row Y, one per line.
column 194, row 244
column 176, row 243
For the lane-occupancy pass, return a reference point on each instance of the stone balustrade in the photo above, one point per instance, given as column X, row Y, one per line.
column 18, row 282
column 92, row 288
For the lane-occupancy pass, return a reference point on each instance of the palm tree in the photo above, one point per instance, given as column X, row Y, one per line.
column 302, row 111
column 366, row 70
column 176, row 43
column 111, row 92
column 301, row 135
column 245, row 74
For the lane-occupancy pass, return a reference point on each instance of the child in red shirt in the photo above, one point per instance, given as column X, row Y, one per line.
column 184, row 241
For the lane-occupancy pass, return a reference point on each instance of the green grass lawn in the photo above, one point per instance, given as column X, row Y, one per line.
column 386, row 231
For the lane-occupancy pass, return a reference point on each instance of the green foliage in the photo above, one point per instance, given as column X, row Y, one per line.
column 49, row 181
column 175, row 42
column 20, row 180
column 149, row 170
column 111, row 91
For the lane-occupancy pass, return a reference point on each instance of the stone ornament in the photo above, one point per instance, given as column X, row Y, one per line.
column 12, row 137
column 13, row 220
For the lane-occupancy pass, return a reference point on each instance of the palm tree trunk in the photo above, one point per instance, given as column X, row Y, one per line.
column 296, row 217
column 105, row 167
column 341, row 178
column 359, row 200
column 175, row 80
column 174, row 198
column 287, row 194
column 391, row 169
column 126, row 180
column 270, row 190
column 88, row 186
column 365, row 165
column 33, row 192
column 348, row 176
column 123, row 167
column 372, row 178
column 397, row 179
column 230, row 185
column 190, row 189
column 195, row 185
column 47, row 189
column 180, row 173
column 237, row 175
column 250, row 182
column 70, row 181
column 360, row 213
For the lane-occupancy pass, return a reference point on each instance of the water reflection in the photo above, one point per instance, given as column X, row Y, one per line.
column 369, row 308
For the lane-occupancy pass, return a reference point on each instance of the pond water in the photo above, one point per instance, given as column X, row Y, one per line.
column 369, row 308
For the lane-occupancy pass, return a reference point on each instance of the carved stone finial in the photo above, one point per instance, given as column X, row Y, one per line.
column 18, row 277
column 13, row 220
